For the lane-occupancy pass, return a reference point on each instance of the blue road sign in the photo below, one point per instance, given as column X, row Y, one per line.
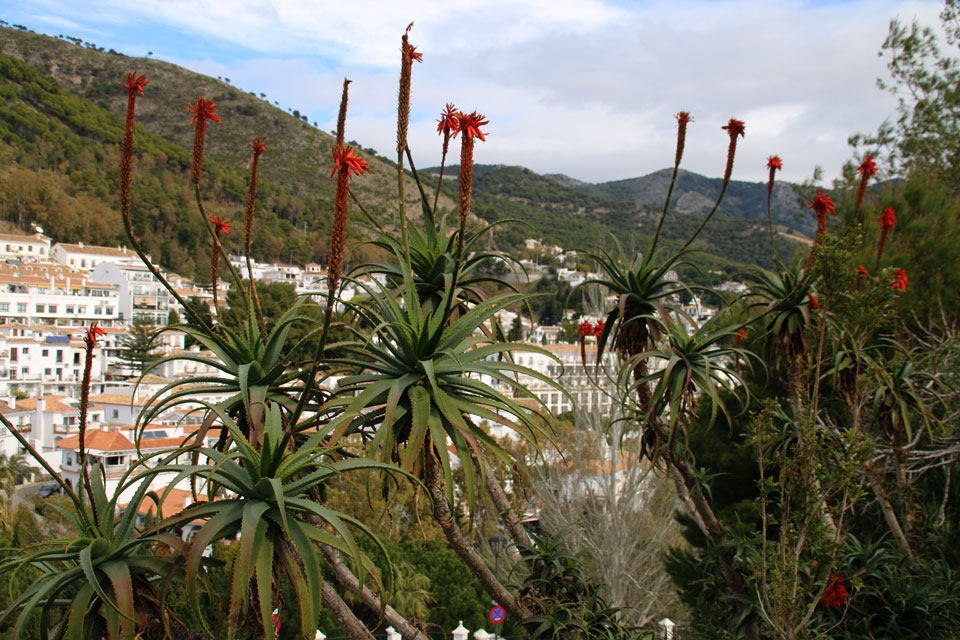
column 497, row 614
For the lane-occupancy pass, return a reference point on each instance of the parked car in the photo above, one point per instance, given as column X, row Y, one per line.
column 48, row 490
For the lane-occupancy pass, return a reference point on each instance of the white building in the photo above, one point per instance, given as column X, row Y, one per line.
column 59, row 300
column 140, row 292
column 45, row 421
column 42, row 360
column 89, row 256
column 32, row 248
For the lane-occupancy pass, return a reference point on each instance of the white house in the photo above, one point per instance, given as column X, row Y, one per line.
column 140, row 292
column 41, row 360
column 46, row 420
column 58, row 300
column 32, row 248
column 89, row 256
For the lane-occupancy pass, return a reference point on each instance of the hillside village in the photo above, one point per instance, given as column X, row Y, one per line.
column 51, row 292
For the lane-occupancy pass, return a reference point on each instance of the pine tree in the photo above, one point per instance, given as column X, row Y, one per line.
column 140, row 344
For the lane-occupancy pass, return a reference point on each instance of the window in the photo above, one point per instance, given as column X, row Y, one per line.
column 39, row 308
column 76, row 357
column 21, row 307
column 108, row 311
column 51, row 308
column 48, row 371
column 96, row 311
column 82, row 309
column 113, row 461
column 59, row 354
column 13, row 354
column 69, row 310
column 4, row 306
column 116, row 414
column 44, row 352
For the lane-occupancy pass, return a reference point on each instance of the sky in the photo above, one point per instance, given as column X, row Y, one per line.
column 587, row 88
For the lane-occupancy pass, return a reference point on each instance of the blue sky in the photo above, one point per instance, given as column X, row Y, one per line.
column 582, row 87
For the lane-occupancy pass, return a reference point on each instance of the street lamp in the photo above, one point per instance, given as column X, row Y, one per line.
column 498, row 544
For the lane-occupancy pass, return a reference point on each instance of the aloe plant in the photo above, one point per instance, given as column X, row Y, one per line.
column 423, row 380
column 256, row 370
column 269, row 496
column 104, row 580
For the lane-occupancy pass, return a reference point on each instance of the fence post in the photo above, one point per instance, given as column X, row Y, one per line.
column 667, row 625
column 461, row 632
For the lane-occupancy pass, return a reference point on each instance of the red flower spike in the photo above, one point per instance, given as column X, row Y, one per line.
column 741, row 336
column 598, row 329
column 822, row 203
column 203, row 110
column 888, row 219
column 867, row 168
column 344, row 156
column 836, row 594
column 134, row 83
column 735, row 128
column 814, row 303
column 900, row 279
column 258, row 145
column 862, row 271
column 448, row 124
column 683, row 119
column 93, row 333
column 774, row 163
column 585, row 329
column 414, row 55
column 470, row 124
column 220, row 226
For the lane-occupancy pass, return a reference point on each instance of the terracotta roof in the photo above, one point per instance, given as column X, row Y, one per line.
column 52, row 403
column 101, row 251
column 97, row 440
column 153, row 379
column 15, row 237
column 110, row 398
column 174, row 503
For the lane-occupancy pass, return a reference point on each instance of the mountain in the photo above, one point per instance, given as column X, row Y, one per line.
column 696, row 194
column 61, row 121
column 572, row 213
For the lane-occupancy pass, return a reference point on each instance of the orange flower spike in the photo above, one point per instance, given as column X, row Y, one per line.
column 836, row 593
column 733, row 128
column 814, row 303
column 683, row 119
column 448, row 124
column 134, row 83
column 258, row 145
column 414, row 55
column 93, row 333
column 220, row 226
column 888, row 220
column 822, row 205
column 774, row 164
column 470, row 125
column 355, row 165
column 867, row 170
column 900, row 279
column 204, row 110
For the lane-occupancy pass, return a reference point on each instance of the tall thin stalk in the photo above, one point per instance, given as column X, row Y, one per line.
column 734, row 128
column 683, row 119
column 774, row 163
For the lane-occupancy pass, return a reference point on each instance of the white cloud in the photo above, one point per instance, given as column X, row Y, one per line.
column 573, row 86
